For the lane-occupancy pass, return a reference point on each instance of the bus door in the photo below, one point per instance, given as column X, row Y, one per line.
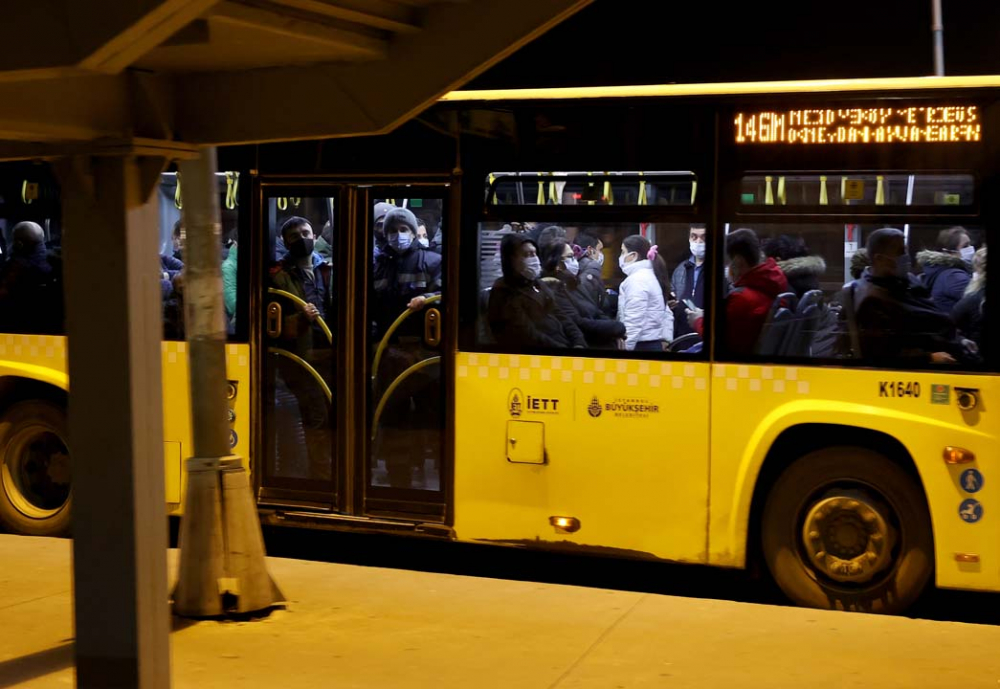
column 352, row 356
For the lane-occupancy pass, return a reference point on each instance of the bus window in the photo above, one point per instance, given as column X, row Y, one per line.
column 173, row 236
column 816, row 292
column 31, row 295
column 617, row 286
column 857, row 189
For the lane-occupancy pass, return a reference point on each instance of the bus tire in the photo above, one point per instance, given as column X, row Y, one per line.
column 34, row 469
column 845, row 528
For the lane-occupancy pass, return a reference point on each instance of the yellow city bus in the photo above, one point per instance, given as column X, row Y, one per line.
column 775, row 396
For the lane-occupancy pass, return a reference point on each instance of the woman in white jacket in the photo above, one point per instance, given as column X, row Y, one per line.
column 643, row 296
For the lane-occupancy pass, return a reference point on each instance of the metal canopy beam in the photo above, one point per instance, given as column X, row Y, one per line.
column 352, row 42
column 377, row 14
column 458, row 42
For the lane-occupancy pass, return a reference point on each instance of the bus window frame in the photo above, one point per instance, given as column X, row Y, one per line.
column 574, row 215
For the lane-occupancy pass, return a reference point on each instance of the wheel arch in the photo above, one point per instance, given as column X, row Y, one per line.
column 795, row 442
column 18, row 388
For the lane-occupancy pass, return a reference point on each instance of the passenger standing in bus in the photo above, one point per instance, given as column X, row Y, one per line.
column 522, row 310
column 756, row 284
column 561, row 271
column 947, row 271
column 898, row 324
column 591, row 268
column 802, row 269
column 689, row 280
column 403, row 270
column 31, row 299
column 305, row 274
column 643, row 296
column 970, row 311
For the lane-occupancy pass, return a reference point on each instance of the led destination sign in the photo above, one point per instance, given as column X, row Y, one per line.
column 925, row 124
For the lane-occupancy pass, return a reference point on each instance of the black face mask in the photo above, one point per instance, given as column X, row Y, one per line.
column 301, row 248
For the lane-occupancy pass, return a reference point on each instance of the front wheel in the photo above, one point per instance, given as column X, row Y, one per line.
column 845, row 528
column 34, row 469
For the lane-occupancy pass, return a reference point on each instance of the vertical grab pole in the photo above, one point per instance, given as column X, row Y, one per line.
column 937, row 31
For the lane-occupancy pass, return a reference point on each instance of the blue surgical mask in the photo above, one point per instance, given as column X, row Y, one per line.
column 400, row 241
column 572, row 265
column 967, row 253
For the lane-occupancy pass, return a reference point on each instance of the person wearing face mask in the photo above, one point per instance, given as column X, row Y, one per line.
column 561, row 272
column 30, row 286
column 304, row 273
column 643, row 296
column 591, row 270
column 947, row 271
column 404, row 271
column 970, row 311
column 523, row 310
column 898, row 324
column 688, row 279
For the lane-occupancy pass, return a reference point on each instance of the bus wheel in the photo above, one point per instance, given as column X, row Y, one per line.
column 844, row 528
column 34, row 469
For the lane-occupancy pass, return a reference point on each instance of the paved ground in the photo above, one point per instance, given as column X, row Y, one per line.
column 365, row 627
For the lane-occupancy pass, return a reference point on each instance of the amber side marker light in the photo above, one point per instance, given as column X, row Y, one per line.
column 966, row 557
column 565, row 524
column 958, row 455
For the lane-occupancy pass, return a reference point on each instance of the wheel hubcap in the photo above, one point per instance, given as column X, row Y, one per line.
column 36, row 472
column 847, row 537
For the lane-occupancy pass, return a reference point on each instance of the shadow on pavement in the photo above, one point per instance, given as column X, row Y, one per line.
column 35, row 665
column 691, row 581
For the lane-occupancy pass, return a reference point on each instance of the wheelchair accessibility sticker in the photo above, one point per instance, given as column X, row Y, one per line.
column 971, row 480
column 971, row 510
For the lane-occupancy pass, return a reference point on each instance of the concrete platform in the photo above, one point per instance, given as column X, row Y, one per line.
column 363, row 627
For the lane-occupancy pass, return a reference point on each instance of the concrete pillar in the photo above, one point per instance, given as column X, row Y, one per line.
column 114, row 326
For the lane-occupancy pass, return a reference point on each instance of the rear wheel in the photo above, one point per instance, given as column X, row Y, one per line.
column 845, row 528
column 34, row 469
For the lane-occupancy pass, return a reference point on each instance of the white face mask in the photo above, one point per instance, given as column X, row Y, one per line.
column 572, row 265
column 423, row 241
column 698, row 250
column 967, row 253
column 599, row 257
column 622, row 262
column 531, row 268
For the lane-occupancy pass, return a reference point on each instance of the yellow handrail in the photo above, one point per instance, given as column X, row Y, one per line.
column 304, row 364
column 395, row 384
column 392, row 328
column 303, row 303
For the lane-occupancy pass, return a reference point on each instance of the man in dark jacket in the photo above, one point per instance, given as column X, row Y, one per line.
column 403, row 270
column 592, row 268
column 756, row 284
column 523, row 312
column 688, row 280
column 305, row 274
column 947, row 271
column 898, row 324
column 30, row 289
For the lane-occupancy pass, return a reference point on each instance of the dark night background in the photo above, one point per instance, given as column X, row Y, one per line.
column 662, row 41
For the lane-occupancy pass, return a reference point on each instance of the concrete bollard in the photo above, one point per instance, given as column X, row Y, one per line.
column 222, row 567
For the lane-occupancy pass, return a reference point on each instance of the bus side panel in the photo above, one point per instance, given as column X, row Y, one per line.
column 177, row 413
column 625, row 453
column 753, row 405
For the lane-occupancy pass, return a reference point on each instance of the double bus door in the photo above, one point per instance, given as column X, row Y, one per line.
column 352, row 358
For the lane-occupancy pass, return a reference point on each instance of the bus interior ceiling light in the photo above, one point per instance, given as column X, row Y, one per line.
column 565, row 524
column 958, row 455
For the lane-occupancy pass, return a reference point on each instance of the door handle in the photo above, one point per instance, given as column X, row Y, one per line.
column 432, row 327
column 274, row 320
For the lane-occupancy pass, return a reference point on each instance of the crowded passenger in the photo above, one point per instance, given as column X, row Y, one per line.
column 643, row 296
column 756, row 283
column 378, row 219
column 947, row 271
column 561, row 272
column 404, row 269
column 178, row 236
column 970, row 311
column 305, row 274
column 229, row 273
column 802, row 269
column 30, row 285
column 523, row 311
column 898, row 323
column 324, row 243
column 689, row 280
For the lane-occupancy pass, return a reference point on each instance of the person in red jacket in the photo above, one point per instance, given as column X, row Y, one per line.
column 756, row 284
